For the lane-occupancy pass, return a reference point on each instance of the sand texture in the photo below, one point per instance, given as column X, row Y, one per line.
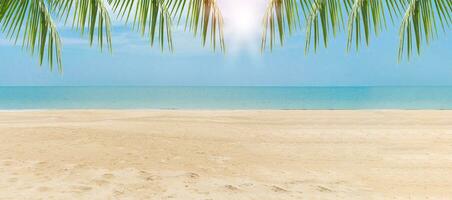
column 210, row 155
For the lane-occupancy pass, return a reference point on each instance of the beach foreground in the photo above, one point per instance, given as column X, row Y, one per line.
column 103, row 154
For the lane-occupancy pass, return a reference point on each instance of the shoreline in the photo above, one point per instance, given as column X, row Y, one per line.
column 226, row 154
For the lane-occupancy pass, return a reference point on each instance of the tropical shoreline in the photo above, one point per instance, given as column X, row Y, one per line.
column 225, row 154
column 226, row 98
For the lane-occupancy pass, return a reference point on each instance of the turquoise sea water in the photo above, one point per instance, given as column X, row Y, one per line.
column 13, row 98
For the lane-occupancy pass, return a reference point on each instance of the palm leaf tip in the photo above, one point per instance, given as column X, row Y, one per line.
column 203, row 17
column 279, row 16
column 32, row 21
column 323, row 17
column 89, row 16
column 150, row 17
column 420, row 24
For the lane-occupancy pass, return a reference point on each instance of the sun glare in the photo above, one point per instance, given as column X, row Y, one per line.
column 243, row 19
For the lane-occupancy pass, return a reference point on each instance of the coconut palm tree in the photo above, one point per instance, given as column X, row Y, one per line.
column 34, row 22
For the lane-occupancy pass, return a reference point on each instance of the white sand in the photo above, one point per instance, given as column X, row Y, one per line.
column 226, row 155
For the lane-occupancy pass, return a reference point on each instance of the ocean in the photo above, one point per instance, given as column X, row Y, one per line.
column 315, row 98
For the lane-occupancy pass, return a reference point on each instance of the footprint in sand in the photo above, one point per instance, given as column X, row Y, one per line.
column 100, row 182
column 81, row 188
column 190, row 177
column 108, row 176
column 193, row 175
column 44, row 189
column 142, row 172
column 278, row 189
column 300, row 182
column 323, row 189
column 153, row 178
column 12, row 180
column 7, row 163
column 231, row 188
column 41, row 163
column 246, row 185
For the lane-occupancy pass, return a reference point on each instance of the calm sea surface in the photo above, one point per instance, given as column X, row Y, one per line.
column 13, row 98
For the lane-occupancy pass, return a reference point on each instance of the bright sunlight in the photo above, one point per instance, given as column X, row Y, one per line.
column 243, row 22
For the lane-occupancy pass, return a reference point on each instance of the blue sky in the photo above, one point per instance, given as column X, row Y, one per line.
column 134, row 62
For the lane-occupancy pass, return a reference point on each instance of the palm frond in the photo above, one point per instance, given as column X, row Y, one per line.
column 3, row 8
column 203, row 17
column 279, row 15
column 370, row 14
column 86, row 14
column 31, row 21
column 324, row 16
column 421, row 20
column 150, row 17
column 420, row 23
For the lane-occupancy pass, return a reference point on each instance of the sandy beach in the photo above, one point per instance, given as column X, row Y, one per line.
column 102, row 154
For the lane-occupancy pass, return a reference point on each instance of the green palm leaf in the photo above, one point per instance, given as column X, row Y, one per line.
column 154, row 18
column 203, row 17
column 150, row 17
column 31, row 22
column 86, row 14
column 279, row 16
column 324, row 16
column 420, row 23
